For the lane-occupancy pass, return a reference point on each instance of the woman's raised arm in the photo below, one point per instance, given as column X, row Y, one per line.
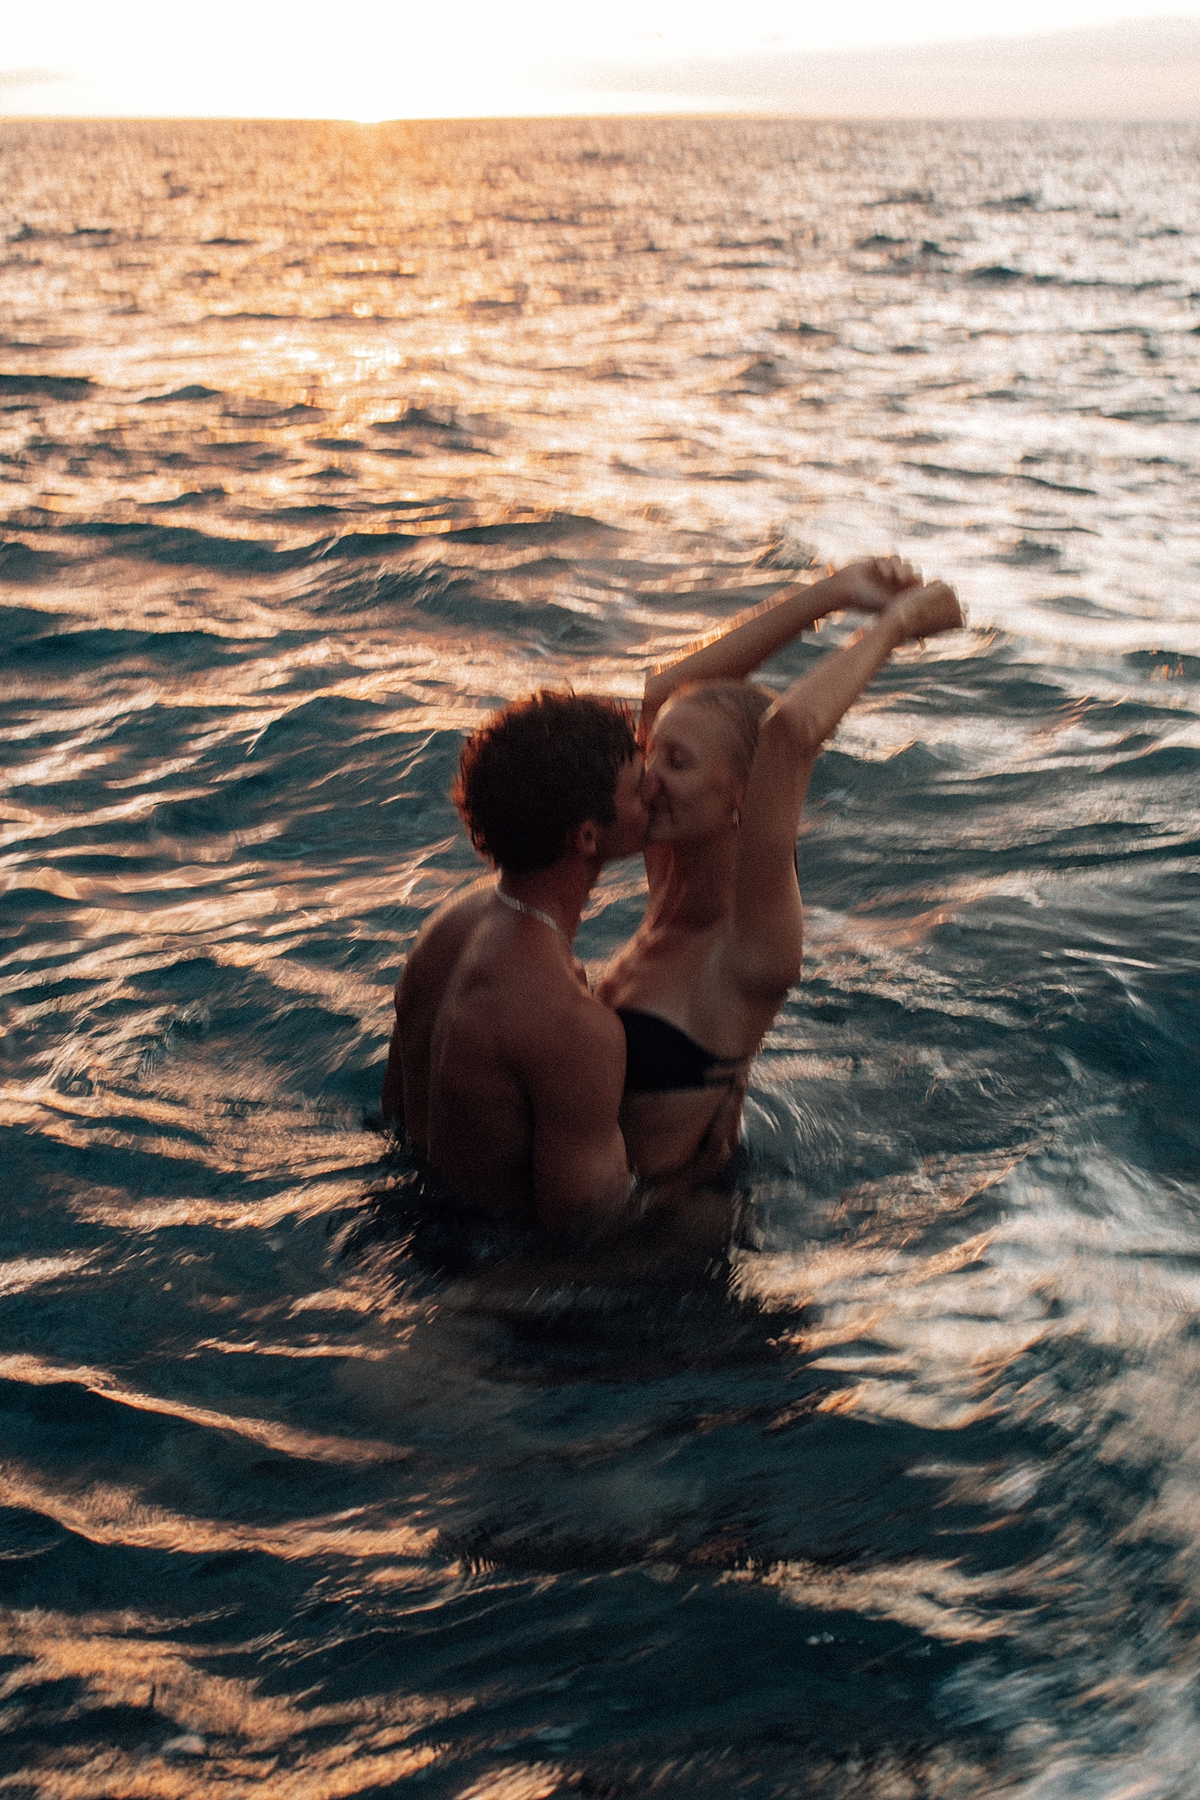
column 737, row 649
column 766, row 905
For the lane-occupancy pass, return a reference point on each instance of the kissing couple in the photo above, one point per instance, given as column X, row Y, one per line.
column 539, row 1101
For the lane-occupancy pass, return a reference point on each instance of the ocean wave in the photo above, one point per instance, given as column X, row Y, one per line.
column 305, row 1486
column 48, row 387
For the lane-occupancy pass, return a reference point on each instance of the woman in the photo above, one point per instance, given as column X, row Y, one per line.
column 727, row 768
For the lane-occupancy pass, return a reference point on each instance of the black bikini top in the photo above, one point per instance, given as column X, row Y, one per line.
column 659, row 1057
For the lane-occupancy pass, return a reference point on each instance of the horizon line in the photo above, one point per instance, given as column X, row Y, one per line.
column 733, row 114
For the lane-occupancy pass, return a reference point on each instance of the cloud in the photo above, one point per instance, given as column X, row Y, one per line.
column 387, row 59
column 1138, row 69
column 19, row 78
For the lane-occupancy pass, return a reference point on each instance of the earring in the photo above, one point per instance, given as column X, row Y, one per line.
column 737, row 818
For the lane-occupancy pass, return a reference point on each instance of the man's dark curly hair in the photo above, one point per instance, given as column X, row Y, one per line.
column 535, row 772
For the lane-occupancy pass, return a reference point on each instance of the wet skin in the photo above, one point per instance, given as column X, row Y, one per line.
column 692, row 794
column 722, row 940
column 509, row 1070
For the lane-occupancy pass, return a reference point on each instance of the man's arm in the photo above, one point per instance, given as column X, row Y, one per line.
column 580, row 1168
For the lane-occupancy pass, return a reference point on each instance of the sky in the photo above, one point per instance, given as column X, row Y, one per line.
column 388, row 59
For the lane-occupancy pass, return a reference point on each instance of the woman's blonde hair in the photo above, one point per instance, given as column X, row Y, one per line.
column 739, row 707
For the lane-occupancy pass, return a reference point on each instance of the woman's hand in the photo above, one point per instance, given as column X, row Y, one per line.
column 871, row 585
column 923, row 611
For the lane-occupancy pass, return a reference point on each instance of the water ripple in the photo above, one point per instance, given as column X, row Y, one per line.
column 875, row 1478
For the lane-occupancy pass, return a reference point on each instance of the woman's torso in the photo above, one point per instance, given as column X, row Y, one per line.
column 685, row 1074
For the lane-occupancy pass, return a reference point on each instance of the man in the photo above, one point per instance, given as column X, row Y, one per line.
column 505, row 1070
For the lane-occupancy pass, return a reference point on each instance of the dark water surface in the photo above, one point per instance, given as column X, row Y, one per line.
column 316, row 442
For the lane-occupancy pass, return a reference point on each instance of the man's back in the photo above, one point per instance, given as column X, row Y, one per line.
column 419, row 992
column 512, row 1071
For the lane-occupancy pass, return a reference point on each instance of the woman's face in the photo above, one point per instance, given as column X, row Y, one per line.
column 690, row 786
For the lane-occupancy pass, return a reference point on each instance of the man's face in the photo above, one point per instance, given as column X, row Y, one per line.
column 627, row 833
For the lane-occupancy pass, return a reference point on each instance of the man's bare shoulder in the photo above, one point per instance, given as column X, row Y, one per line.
column 556, row 1018
column 529, row 1003
column 441, row 939
column 460, row 914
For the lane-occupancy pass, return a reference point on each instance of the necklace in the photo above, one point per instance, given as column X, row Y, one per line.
column 532, row 912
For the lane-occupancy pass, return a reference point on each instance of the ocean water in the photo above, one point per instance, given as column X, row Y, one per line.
column 316, row 442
